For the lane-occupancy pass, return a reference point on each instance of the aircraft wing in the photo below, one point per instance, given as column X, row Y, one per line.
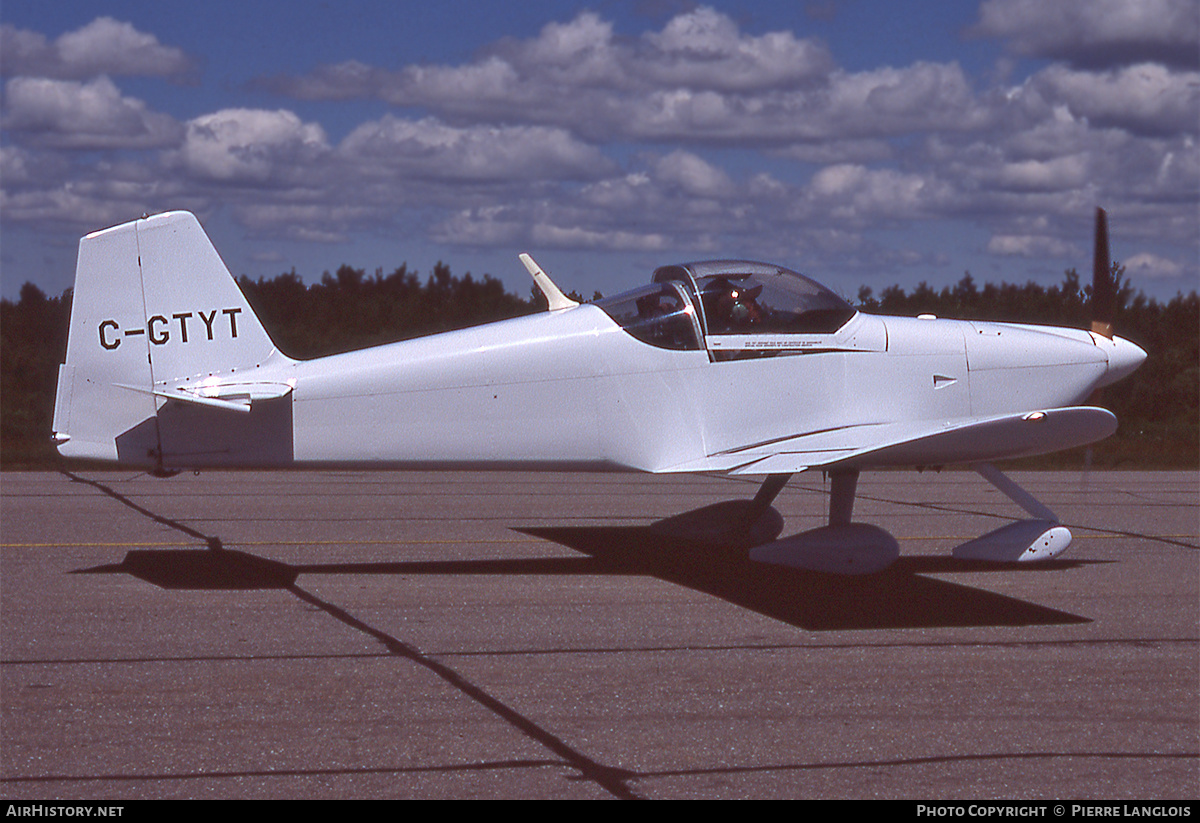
column 919, row 443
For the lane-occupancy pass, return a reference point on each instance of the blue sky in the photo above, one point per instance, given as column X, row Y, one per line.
column 861, row 142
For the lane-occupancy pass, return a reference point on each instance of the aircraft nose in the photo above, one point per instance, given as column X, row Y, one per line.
column 1124, row 358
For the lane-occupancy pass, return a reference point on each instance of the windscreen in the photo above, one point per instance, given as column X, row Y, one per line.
column 659, row 314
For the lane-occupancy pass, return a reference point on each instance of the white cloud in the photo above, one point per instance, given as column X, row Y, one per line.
column 490, row 226
column 541, row 226
column 1144, row 99
column 704, row 49
column 430, row 149
column 855, row 193
column 1096, row 33
column 317, row 221
column 109, row 195
column 251, row 146
column 73, row 115
column 1056, row 174
column 581, row 51
column 697, row 136
column 693, row 175
column 1152, row 266
column 1036, row 246
column 21, row 167
column 894, row 101
column 104, row 46
column 699, row 78
column 580, row 237
column 490, row 84
column 829, row 152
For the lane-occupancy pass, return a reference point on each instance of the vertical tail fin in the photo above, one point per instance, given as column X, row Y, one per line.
column 155, row 314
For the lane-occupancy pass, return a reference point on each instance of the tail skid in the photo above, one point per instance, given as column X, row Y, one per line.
column 160, row 332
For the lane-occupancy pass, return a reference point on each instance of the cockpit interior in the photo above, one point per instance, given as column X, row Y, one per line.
column 731, row 304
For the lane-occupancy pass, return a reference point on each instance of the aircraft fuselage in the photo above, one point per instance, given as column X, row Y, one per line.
column 571, row 389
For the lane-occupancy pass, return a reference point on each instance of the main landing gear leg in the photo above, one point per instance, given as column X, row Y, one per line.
column 762, row 501
column 841, row 496
column 1025, row 541
column 841, row 547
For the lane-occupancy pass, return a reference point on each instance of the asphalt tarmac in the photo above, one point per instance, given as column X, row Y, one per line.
column 510, row 635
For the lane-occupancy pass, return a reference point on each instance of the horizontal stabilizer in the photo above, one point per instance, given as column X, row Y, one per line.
column 231, row 396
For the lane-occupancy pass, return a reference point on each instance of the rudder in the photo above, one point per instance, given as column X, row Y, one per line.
column 155, row 315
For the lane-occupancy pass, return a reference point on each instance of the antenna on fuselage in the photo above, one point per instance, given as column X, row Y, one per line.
column 554, row 295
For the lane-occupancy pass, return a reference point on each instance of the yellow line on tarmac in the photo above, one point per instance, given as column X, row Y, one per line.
column 162, row 544
column 402, row 541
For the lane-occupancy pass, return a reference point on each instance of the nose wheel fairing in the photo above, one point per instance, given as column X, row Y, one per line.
column 1024, row 541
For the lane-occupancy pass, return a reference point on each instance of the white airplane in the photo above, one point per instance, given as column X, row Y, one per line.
column 725, row 366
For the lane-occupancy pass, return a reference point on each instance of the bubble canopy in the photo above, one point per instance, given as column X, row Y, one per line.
column 745, row 297
column 688, row 302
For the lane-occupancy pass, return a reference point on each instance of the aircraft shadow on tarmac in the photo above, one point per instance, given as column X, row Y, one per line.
column 898, row 597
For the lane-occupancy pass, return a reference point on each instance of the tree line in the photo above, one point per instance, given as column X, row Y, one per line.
column 349, row 309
